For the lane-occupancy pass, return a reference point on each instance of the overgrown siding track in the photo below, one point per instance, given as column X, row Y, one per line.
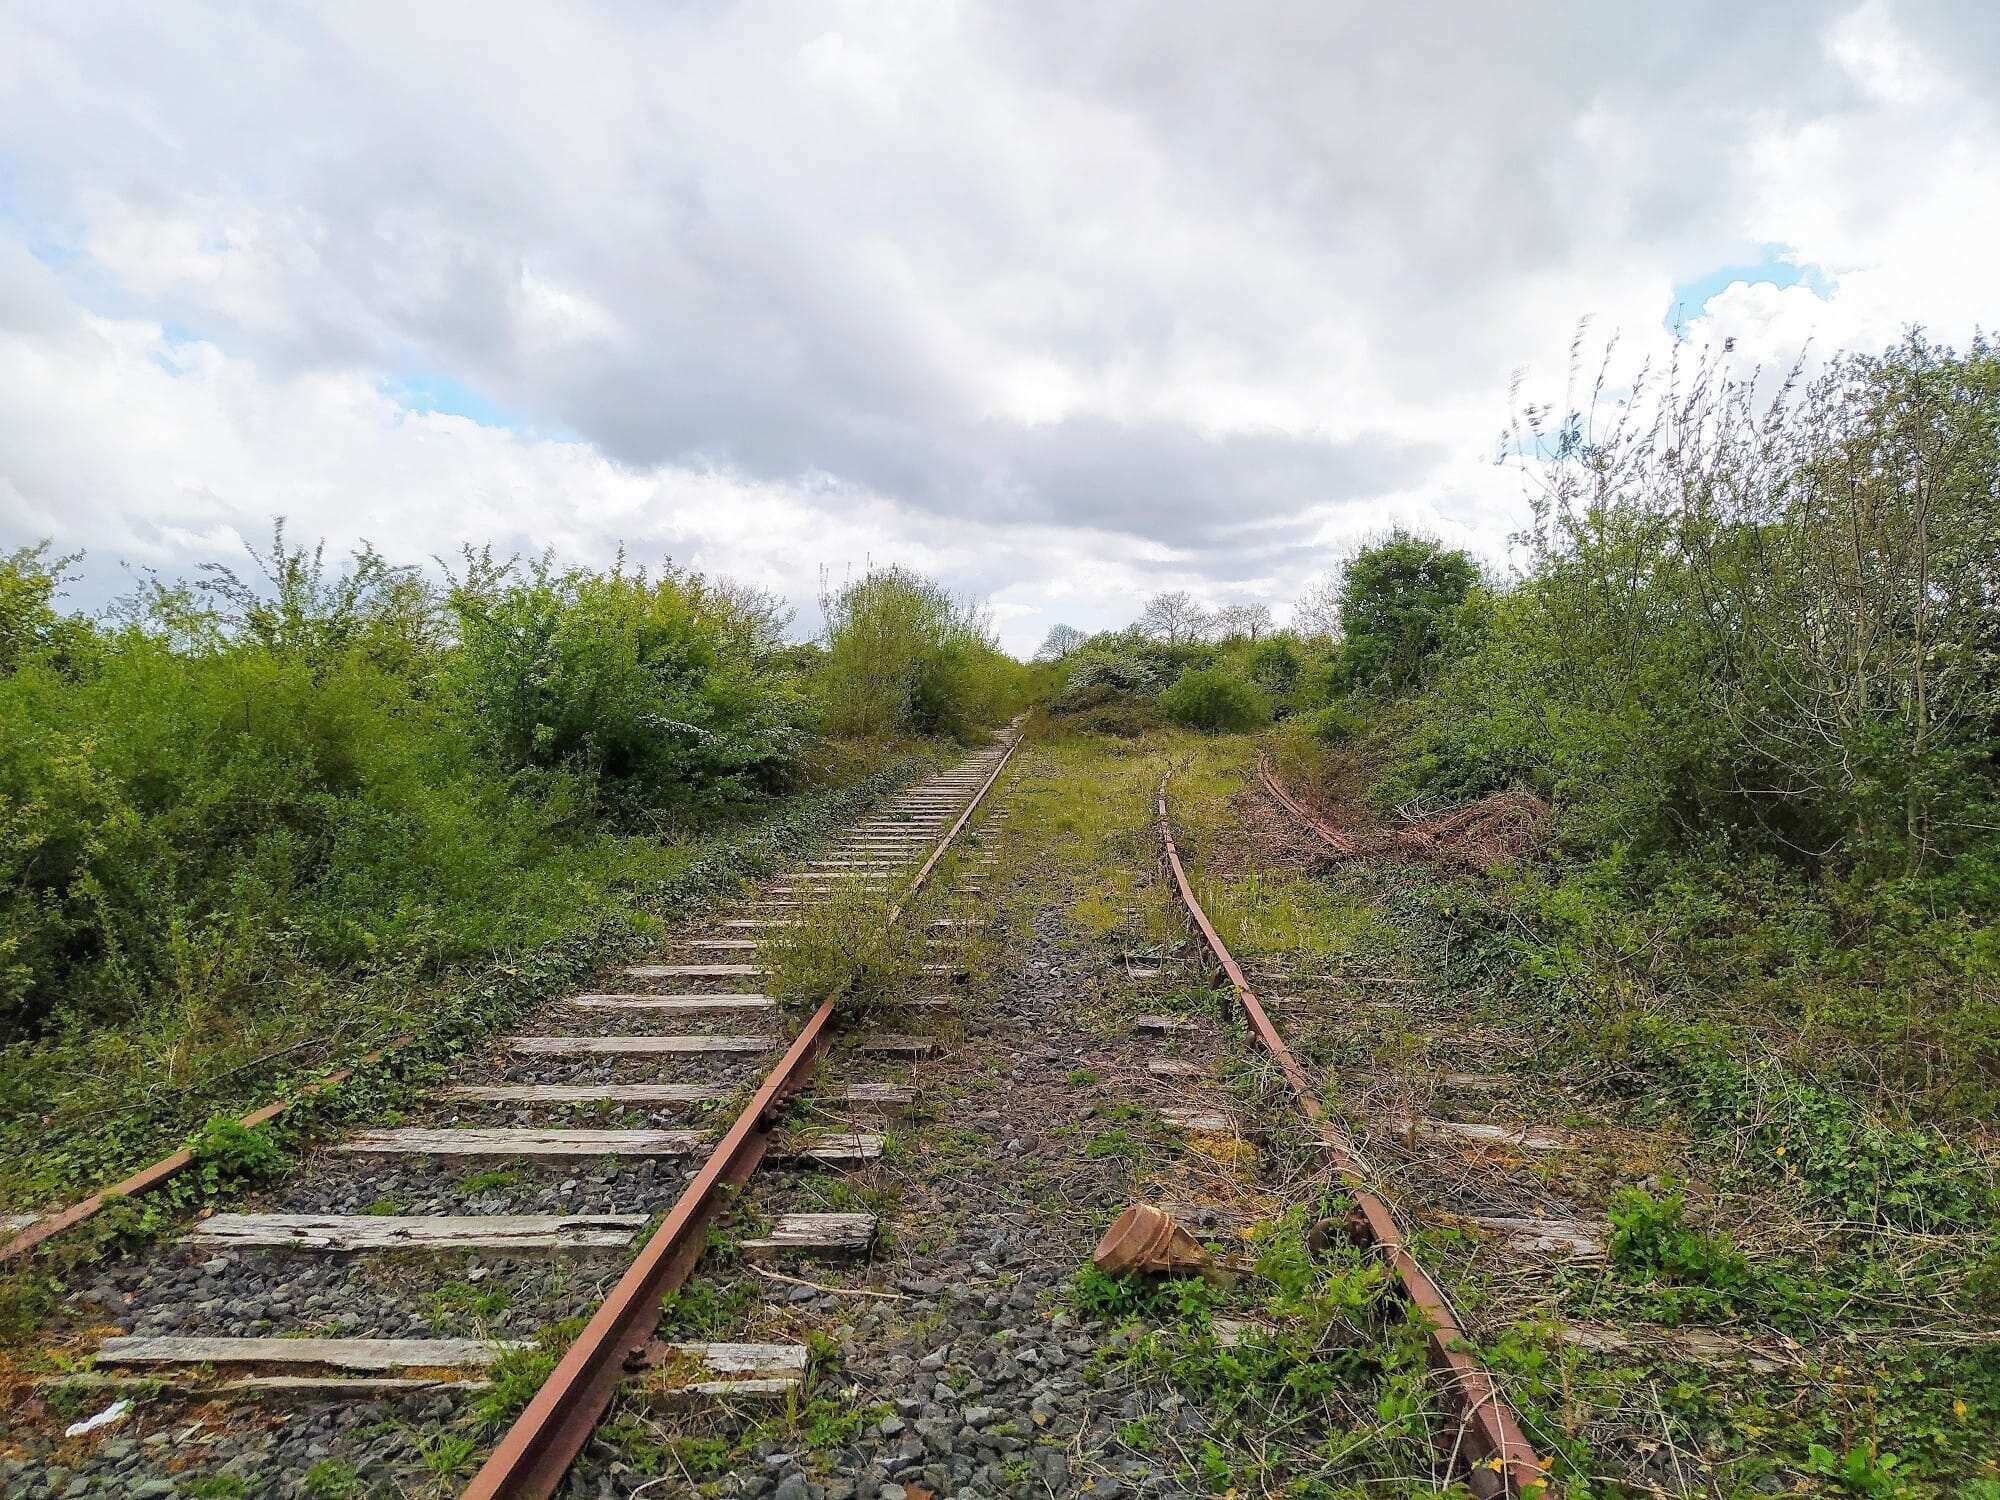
column 1488, row 1434
column 1509, row 1173
column 415, row 1280
column 902, row 1300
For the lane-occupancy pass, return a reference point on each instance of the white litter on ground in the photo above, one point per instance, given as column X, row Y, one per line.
column 112, row 1413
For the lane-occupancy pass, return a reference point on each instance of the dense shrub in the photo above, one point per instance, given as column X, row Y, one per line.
column 1215, row 700
column 903, row 658
column 1773, row 621
column 1121, row 718
column 1402, row 604
column 660, row 692
column 1336, row 723
column 1755, row 663
column 1109, row 668
column 238, row 792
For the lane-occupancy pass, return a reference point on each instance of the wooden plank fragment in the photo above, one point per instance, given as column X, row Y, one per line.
column 880, row 1096
column 842, row 1149
column 1702, row 1346
column 1205, row 1121
column 688, row 1005
column 691, row 971
column 1171, row 1067
column 813, row 1234
column 272, row 1387
column 1477, row 1132
column 634, row 1046
column 1544, row 1236
column 337, row 1354
column 587, row 1093
column 727, row 1372
column 1162, row 1025
column 530, row 1144
column 419, row 1232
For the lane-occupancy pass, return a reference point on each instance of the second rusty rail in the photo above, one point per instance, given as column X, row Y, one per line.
column 1504, row 1462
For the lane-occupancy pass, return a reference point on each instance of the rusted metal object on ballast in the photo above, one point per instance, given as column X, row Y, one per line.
column 1148, row 1239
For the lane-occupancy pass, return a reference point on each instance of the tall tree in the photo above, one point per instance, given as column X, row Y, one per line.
column 1174, row 617
column 1060, row 642
column 1316, row 612
column 1397, row 600
column 1251, row 620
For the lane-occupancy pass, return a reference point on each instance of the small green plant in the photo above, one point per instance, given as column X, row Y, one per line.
column 447, row 1455
column 489, row 1180
column 1079, row 1077
column 230, row 1156
column 383, row 1208
column 217, row 1487
column 1859, row 1471
column 1113, row 1298
column 845, row 950
column 1118, row 1143
column 1652, row 1241
column 1216, row 1470
column 702, row 1455
column 512, row 1380
column 706, row 1309
column 827, row 1424
column 457, row 1301
column 330, row 1479
column 1143, row 1433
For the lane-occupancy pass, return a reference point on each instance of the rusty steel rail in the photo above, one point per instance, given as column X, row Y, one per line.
column 534, row 1453
column 171, row 1166
column 1334, row 839
column 1502, row 1460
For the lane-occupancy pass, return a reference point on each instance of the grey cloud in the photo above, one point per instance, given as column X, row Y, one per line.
column 851, row 240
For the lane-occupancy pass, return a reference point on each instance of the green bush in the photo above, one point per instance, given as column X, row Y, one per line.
column 230, row 1156
column 250, row 808
column 1401, row 605
column 1215, row 701
column 903, row 658
column 654, row 692
column 1126, row 719
column 1651, row 1241
column 1336, row 724
column 1754, row 664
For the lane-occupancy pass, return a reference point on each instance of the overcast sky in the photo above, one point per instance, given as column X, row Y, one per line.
column 1062, row 303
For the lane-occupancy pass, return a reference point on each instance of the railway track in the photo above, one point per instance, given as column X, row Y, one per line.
column 898, row 1302
column 1507, row 1171
column 1498, row 1456
column 334, row 1341
column 972, row 1353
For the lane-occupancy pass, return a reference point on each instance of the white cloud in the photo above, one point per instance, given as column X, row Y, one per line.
column 1066, row 304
